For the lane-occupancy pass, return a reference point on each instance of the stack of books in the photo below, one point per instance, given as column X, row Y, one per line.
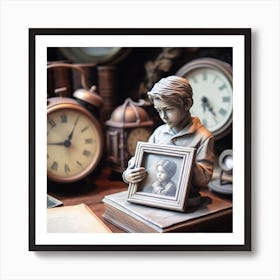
column 213, row 215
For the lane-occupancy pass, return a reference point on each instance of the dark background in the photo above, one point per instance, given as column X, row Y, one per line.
column 135, row 73
column 131, row 69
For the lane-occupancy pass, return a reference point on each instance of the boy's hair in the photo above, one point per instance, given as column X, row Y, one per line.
column 169, row 166
column 173, row 89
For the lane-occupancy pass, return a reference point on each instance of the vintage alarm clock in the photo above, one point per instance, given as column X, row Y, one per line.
column 211, row 81
column 222, row 181
column 128, row 124
column 74, row 135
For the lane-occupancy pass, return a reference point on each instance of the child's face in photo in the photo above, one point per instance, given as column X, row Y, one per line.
column 171, row 115
column 162, row 175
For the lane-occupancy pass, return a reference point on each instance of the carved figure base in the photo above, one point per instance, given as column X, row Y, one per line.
column 194, row 200
column 220, row 187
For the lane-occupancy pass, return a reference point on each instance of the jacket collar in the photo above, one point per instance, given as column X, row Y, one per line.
column 192, row 127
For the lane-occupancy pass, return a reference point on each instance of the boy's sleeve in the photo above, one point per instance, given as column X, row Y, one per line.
column 204, row 163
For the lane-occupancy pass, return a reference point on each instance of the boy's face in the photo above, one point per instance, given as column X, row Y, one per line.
column 171, row 115
column 162, row 175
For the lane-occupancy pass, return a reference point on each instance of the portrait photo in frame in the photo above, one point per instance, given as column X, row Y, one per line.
column 239, row 41
column 169, row 174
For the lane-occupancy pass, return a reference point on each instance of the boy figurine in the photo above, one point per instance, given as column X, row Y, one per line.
column 172, row 98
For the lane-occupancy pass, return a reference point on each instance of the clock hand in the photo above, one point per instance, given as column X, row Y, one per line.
column 56, row 143
column 207, row 104
column 71, row 133
column 204, row 101
column 65, row 143
column 210, row 108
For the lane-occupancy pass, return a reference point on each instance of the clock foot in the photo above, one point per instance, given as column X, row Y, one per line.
column 216, row 186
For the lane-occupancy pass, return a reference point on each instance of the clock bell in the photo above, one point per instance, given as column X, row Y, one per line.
column 128, row 124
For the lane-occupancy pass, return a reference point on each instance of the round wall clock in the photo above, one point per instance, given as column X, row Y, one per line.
column 98, row 55
column 74, row 136
column 74, row 140
column 211, row 81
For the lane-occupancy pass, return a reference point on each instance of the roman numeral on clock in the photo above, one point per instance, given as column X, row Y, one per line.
column 52, row 123
column 222, row 87
column 86, row 153
column 223, row 112
column 84, row 129
column 54, row 166
column 88, row 140
column 226, row 99
column 66, row 168
column 63, row 118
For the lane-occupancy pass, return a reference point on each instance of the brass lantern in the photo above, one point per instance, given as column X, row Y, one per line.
column 129, row 123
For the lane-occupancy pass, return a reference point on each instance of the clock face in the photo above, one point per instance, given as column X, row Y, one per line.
column 212, row 97
column 135, row 135
column 74, row 144
column 97, row 55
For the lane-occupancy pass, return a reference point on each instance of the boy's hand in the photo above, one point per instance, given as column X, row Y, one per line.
column 135, row 175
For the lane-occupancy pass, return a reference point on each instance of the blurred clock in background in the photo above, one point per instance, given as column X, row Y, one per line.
column 129, row 123
column 98, row 55
column 211, row 81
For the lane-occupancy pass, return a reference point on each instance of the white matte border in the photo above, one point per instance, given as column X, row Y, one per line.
column 236, row 42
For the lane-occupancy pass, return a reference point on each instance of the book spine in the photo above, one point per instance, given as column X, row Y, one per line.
column 107, row 88
column 59, row 79
column 90, row 72
column 125, row 221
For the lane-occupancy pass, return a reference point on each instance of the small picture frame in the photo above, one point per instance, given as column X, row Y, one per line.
column 168, row 177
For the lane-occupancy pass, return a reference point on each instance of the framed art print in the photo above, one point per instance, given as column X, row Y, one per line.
column 85, row 75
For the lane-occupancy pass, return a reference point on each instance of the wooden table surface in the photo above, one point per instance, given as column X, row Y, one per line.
column 105, row 183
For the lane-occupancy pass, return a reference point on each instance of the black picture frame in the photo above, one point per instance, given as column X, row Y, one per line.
column 34, row 164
